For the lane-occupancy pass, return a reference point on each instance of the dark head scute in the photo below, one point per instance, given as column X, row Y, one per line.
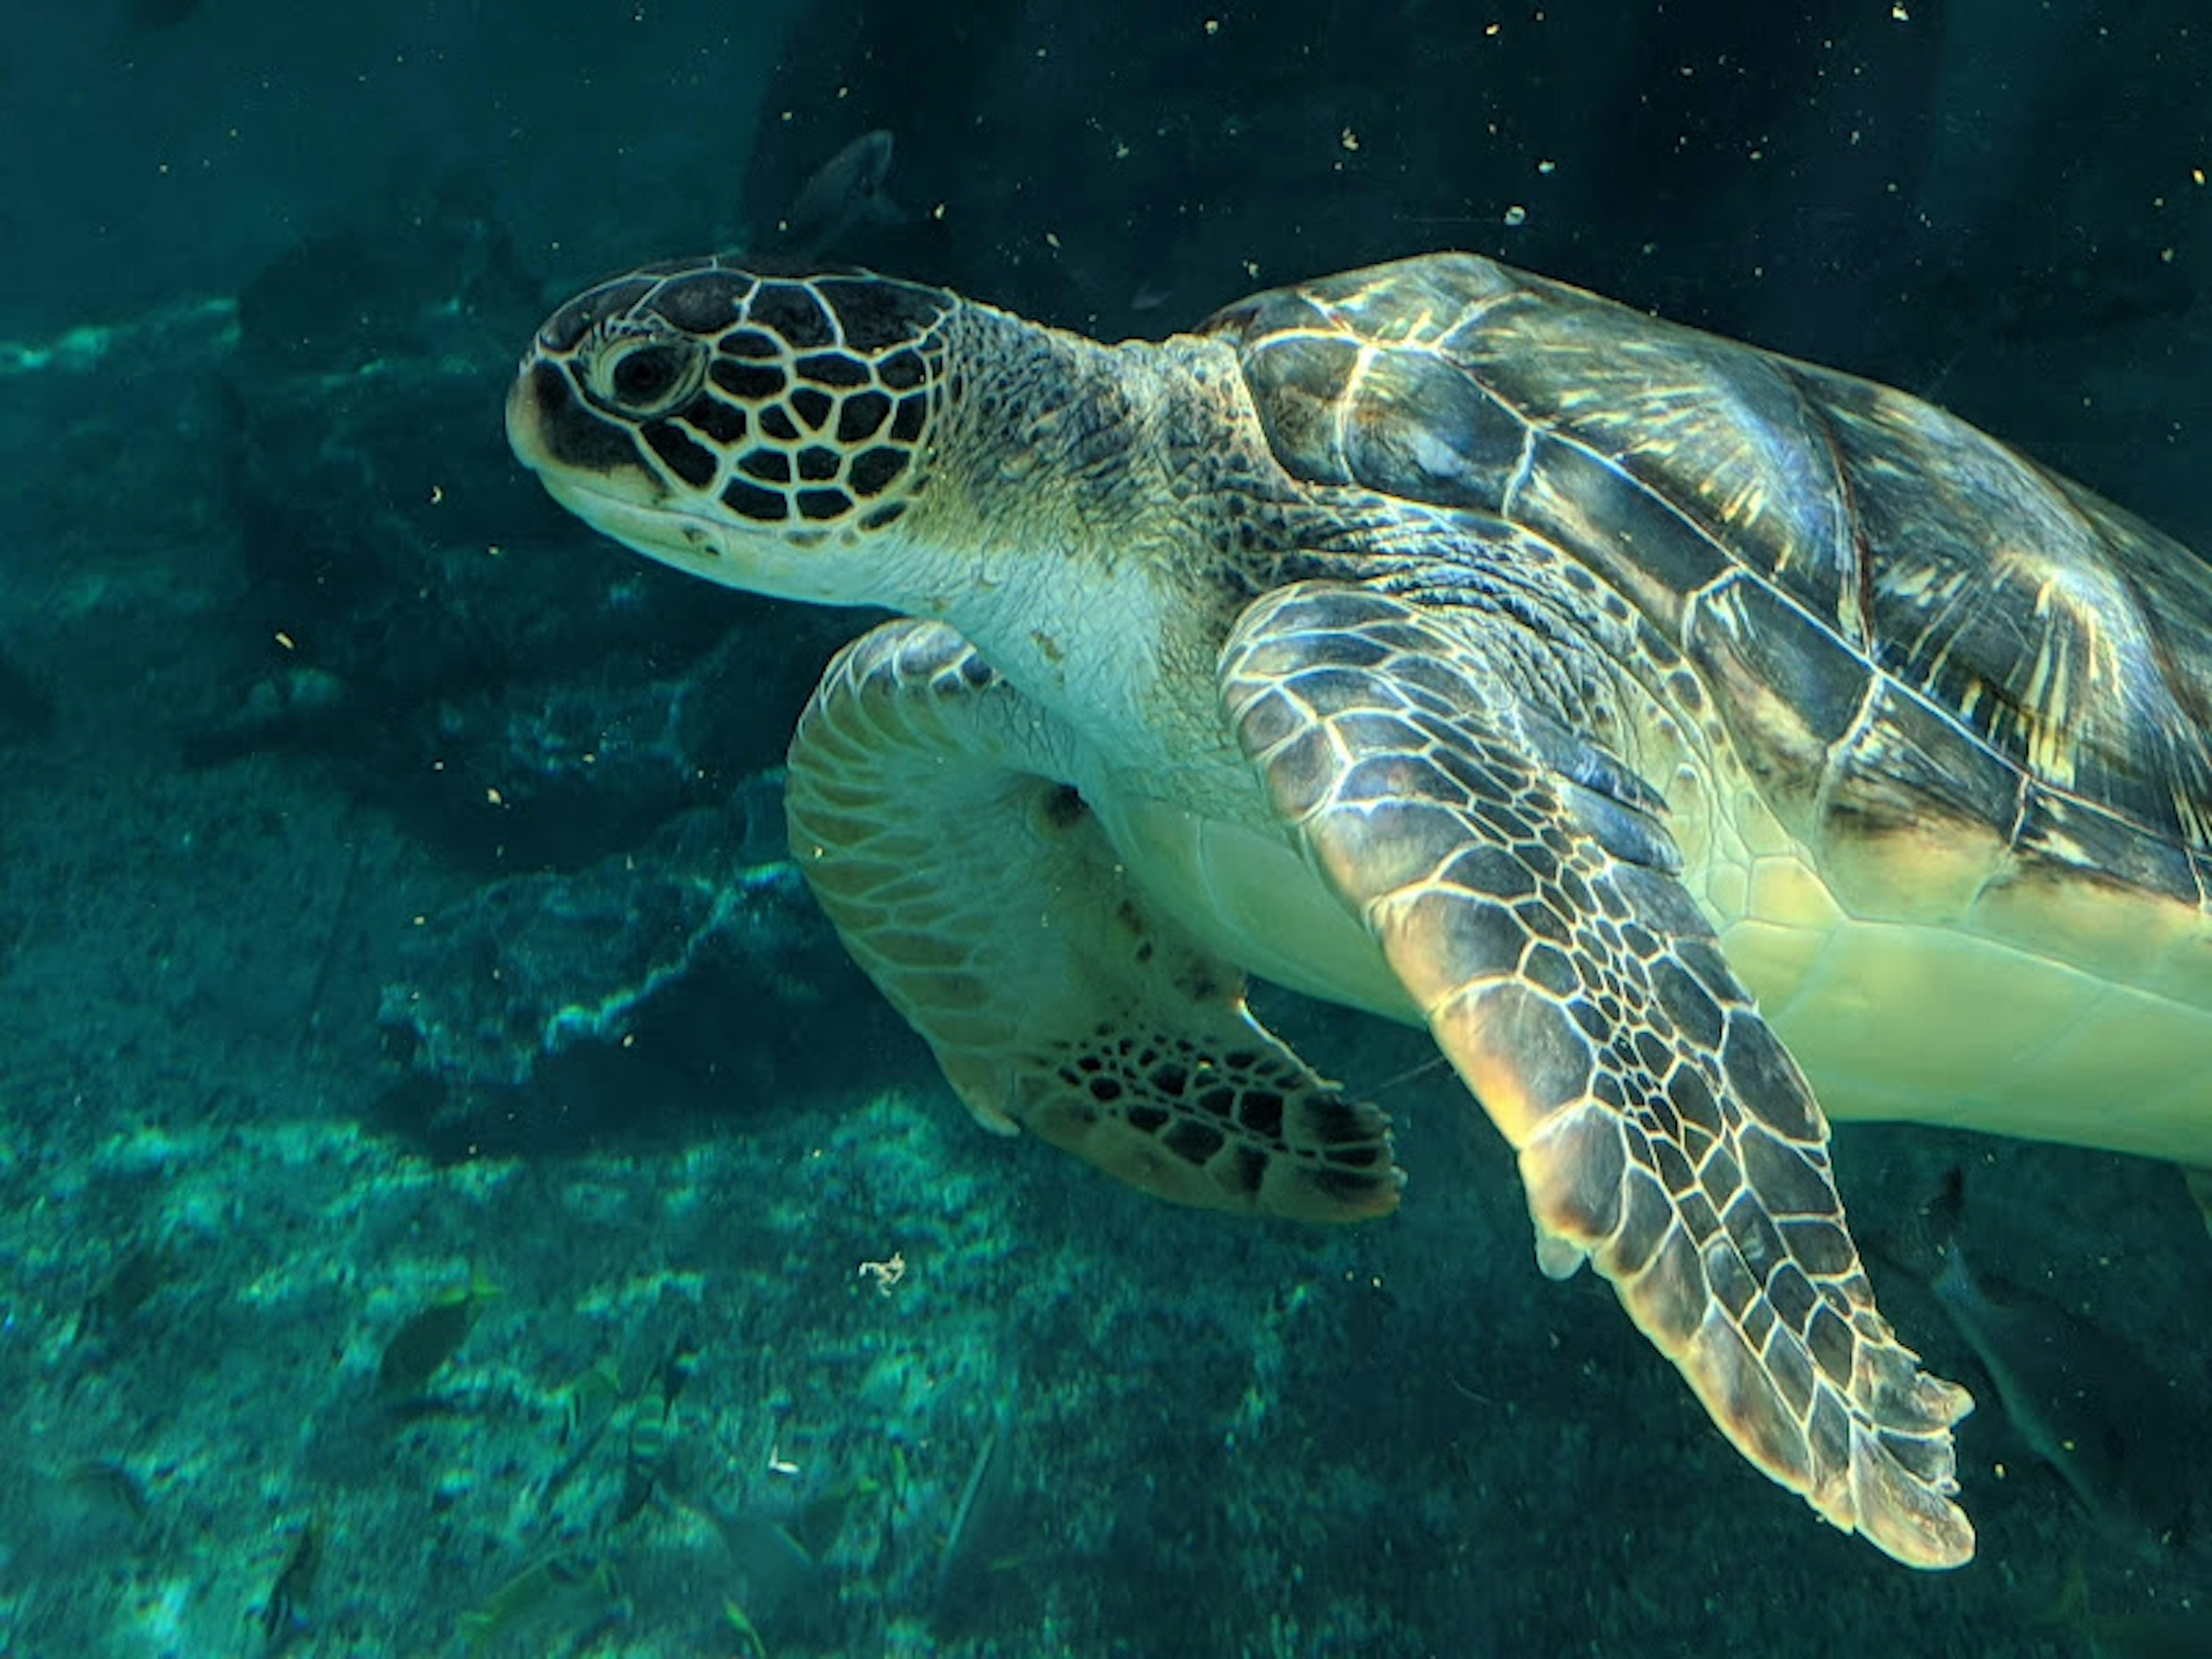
column 564, row 331
column 874, row 469
column 903, row 371
column 704, row 303
column 724, row 423
column 753, row 502
column 877, row 315
column 861, row 416
column 750, row 382
column 685, row 457
column 790, row 312
column 748, row 345
column 836, row 369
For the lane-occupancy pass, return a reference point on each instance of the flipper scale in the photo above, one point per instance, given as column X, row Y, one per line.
column 1663, row 1132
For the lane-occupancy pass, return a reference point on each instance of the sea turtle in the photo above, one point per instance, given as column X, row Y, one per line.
column 1454, row 644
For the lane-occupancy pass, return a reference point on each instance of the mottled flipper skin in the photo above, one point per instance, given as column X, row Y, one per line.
column 983, row 899
column 1662, row 1130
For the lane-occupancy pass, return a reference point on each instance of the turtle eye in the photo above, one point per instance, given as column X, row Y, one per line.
column 644, row 378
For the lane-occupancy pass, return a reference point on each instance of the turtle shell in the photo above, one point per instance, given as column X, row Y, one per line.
column 1911, row 632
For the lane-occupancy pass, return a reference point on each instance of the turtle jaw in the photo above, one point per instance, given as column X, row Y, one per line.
column 606, row 485
column 726, row 554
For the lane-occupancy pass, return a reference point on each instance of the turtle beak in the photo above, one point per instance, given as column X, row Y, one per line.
column 558, row 436
column 525, row 417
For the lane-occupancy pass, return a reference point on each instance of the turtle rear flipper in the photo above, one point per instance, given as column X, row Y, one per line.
column 1662, row 1130
column 985, row 901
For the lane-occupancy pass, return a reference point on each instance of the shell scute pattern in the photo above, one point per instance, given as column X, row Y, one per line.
column 1910, row 629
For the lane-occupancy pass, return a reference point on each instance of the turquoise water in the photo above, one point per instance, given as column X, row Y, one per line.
column 456, row 1197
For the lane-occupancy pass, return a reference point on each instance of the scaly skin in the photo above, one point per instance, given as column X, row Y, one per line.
column 1450, row 644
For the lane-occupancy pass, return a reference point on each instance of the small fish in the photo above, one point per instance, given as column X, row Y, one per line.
column 646, row 1449
column 589, row 1401
column 419, row 1349
column 816, row 1526
column 651, row 1428
column 280, row 1614
column 2117, row 1432
column 845, row 195
column 550, row 1606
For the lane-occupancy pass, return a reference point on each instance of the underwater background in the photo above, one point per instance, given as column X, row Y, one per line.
column 456, row 1198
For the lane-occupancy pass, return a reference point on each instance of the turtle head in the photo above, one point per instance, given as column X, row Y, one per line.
column 764, row 432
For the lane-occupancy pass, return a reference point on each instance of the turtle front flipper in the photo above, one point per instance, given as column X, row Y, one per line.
column 1520, row 894
column 984, row 900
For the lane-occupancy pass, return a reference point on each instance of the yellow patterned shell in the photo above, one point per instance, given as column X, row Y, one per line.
column 1911, row 629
